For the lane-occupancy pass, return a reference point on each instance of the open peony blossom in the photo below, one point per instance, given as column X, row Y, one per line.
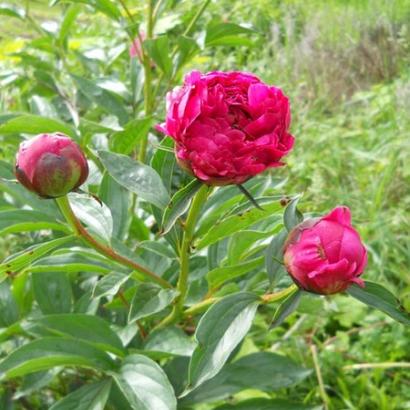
column 325, row 255
column 228, row 126
column 51, row 165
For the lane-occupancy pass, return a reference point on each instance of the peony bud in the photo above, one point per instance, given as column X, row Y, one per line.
column 51, row 165
column 228, row 126
column 325, row 255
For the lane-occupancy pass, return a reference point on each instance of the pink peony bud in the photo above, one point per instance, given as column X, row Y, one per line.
column 51, row 165
column 228, row 126
column 136, row 47
column 326, row 255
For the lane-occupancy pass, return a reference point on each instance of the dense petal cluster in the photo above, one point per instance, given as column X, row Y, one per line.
column 51, row 165
column 326, row 255
column 228, row 126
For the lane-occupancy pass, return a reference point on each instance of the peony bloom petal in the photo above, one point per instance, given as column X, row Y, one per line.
column 229, row 126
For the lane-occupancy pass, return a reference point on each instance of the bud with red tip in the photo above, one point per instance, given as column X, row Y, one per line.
column 326, row 255
column 51, row 165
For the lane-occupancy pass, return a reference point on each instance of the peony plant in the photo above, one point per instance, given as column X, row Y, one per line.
column 147, row 266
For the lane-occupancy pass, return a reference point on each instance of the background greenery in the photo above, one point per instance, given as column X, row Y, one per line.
column 345, row 66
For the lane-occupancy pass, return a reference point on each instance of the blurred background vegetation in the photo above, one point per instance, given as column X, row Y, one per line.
column 345, row 66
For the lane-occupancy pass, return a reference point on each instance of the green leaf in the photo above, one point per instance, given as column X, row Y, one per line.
column 105, row 6
column 89, row 397
column 150, row 299
column 110, row 284
column 179, row 204
column 287, row 307
column 16, row 263
column 274, row 256
column 145, row 385
column 125, row 141
column 49, row 352
column 267, row 404
column 21, row 220
column 136, row 177
column 97, row 216
column 12, row 11
column 187, row 49
column 292, row 215
column 170, row 340
column 9, row 312
column 218, row 276
column 158, row 50
column 106, row 100
column 70, row 17
column 263, row 371
column 91, row 329
column 226, row 34
column 117, row 198
column 52, row 291
column 234, row 223
column 163, row 161
column 34, row 124
column 378, row 297
column 219, row 331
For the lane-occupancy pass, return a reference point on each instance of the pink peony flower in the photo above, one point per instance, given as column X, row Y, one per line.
column 136, row 47
column 51, row 165
column 228, row 126
column 325, row 255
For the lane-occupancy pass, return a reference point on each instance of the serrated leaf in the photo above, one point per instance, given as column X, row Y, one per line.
column 378, row 297
column 150, row 299
column 145, row 385
column 218, row 276
column 34, row 124
column 179, row 204
column 89, row 397
column 136, row 177
column 91, row 329
column 49, row 352
column 287, row 307
column 219, row 331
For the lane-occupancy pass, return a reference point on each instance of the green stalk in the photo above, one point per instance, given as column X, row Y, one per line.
column 185, row 250
column 148, row 105
column 65, row 208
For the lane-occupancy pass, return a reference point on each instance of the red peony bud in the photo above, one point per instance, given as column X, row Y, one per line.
column 51, row 165
column 326, row 255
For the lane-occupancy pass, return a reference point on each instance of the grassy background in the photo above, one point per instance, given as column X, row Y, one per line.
column 345, row 65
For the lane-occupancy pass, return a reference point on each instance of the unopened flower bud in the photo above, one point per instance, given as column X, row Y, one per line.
column 51, row 165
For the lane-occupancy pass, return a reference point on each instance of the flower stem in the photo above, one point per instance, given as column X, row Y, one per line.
column 148, row 105
column 65, row 208
column 185, row 250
